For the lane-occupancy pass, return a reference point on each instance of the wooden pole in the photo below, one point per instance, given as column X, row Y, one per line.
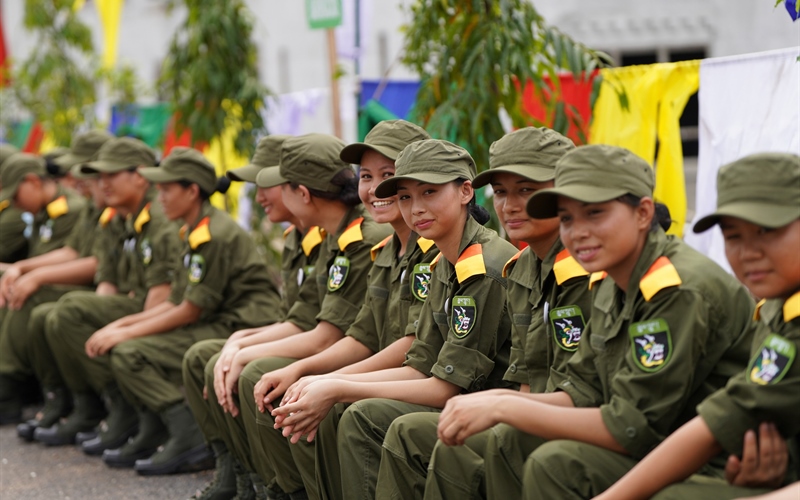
column 337, row 116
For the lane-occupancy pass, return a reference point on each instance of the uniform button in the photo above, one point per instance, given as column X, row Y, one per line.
column 513, row 368
column 416, row 322
column 448, row 369
column 631, row 432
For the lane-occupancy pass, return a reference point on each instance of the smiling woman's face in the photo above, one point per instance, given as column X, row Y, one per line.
column 432, row 210
column 376, row 168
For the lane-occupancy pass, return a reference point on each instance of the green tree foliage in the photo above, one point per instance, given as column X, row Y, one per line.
column 210, row 74
column 473, row 54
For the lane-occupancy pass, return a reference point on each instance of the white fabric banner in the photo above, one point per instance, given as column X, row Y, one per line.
column 748, row 104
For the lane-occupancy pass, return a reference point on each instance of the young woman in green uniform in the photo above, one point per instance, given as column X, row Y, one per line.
column 668, row 328
column 12, row 225
column 299, row 253
column 548, row 298
column 758, row 210
column 381, row 333
column 221, row 285
column 320, row 190
column 462, row 338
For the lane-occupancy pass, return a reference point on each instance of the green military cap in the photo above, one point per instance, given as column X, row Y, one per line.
column 268, row 154
column 183, row 164
column 83, row 148
column 121, row 154
column 594, row 174
column 270, row 177
column 763, row 189
column 313, row 161
column 388, row 138
column 55, row 153
column 432, row 161
column 15, row 168
column 6, row 150
column 529, row 152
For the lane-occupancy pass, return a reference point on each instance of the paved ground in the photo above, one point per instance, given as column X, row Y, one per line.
column 33, row 472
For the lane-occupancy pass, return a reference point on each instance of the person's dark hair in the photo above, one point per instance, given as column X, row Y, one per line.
column 223, row 183
column 479, row 213
column 53, row 170
column 347, row 180
column 661, row 217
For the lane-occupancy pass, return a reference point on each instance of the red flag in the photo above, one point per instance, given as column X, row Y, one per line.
column 3, row 53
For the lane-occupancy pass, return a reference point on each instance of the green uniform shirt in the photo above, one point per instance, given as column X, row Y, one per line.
column 652, row 354
column 83, row 234
column 53, row 225
column 12, row 234
column 299, row 253
column 769, row 389
column 397, row 289
column 223, row 273
column 549, row 302
column 464, row 332
column 340, row 272
column 139, row 252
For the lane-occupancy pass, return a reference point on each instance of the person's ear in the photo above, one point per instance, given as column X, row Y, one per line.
column 645, row 213
column 305, row 194
column 466, row 192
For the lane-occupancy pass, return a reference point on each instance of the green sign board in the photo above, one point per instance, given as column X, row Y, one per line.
column 323, row 13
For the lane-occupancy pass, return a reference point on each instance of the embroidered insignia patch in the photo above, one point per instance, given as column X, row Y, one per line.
column 197, row 268
column 147, row 252
column 421, row 281
column 303, row 273
column 46, row 231
column 568, row 324
column 772, row 361
column 462, row 316
column 338, row 272
column 651, row 344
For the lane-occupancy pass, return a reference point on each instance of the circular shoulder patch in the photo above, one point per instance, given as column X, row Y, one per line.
column 651, row 344
column 568, row 324
column 197, row 268
column 337, row 274
column 421, row 281
column 772, row 360
column 147, row 251
column 463, row 315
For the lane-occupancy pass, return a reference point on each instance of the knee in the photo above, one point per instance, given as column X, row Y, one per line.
column 416, row 428
column 194, row 360
column 125, row 359
column 554, row 464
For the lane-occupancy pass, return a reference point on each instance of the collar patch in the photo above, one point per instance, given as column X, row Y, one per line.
column 57, row 207
column 312, row 239
column 662, row 274
column 566, row 267
column 200, row 235
column 470, row 263
column 351, row 234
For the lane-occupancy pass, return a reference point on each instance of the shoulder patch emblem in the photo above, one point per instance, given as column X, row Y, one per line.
column 197, row 268
column 470, row 263
column 566, row 267
column 57, row 207
column 425, row 244
column 651, row 344
column 200, row 234
column 421, row 281
column 511, row 261
column 147, row 251
column 142, row 219
column 337, row 275
column 662, row 274
column 773, row 360
column 351, row 234
column 46, row 231
column 107, row 215
column 373, row 252
column 597, row 277
column 463, row 315
column 568, row 325
column 311, row 240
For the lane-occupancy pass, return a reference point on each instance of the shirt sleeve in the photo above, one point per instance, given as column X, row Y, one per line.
column 341, row 306
column 162, row 266
column 210, row 262
column 467, row 360
column 429, row 337
column 520, row 330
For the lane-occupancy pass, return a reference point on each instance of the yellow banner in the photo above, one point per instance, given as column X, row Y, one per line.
column 110, row 12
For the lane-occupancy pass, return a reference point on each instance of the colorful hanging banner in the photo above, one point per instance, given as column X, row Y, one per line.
column 110, row 12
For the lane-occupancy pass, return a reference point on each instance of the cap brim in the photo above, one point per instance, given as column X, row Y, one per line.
column 544, row 204
column 78, row 173
column 69, row 160
column 157, row 175
column 270, row 177
column 534, row 173
column 353, row 152
column 247, row 173
column 7, row 193
column 388, row 188
column 760, row 214
column 105, row 167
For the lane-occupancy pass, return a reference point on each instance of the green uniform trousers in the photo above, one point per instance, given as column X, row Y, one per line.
column 253, row 433
column 360, row 436
column 76, row 317
column 406, row 455
column 24, row 351
column 326, row 464
column 700, row 487
column 458, row 471
column 148, row 370
column 194, row 366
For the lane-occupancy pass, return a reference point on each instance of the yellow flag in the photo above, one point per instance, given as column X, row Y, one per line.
column 110, row 13
column 78, row 5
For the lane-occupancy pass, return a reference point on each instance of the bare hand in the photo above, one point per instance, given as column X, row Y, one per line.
column 7, row 282
column 304, row 416
column 22, row 289
column 104, row 340
column 764, row 460
column 465, row 416
column 232, row 386
column 221, row 369
column 272, row 385
column 292, row 394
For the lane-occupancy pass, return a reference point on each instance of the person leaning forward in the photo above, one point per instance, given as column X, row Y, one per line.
column 12, row 225
column 140, row 249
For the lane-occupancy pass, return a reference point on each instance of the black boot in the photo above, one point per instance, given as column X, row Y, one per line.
column 57, row 404
column 244, row 483
column 223, row 485
column 122, row 423
column 88, row 412
column 10, row 402
column 152, row 434
column 184, row 451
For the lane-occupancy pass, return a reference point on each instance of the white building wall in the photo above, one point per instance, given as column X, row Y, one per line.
column 293, row 58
